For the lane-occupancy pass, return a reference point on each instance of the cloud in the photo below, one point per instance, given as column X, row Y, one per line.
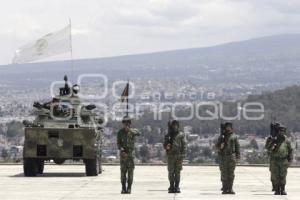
column 116, row 27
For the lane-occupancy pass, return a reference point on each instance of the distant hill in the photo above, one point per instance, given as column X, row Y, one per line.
column 282, row 105
column 263, row 60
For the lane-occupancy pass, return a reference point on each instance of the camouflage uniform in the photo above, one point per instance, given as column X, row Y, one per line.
column 281, row 155
column 126, row 142
column 175, row 156
column 227, row 158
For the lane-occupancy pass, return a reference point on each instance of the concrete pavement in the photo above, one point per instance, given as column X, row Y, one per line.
column 68, row 182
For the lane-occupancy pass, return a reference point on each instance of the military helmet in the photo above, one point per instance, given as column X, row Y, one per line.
column 282, row 128
column 228, row 124
column 126, row 120
column 174, row 122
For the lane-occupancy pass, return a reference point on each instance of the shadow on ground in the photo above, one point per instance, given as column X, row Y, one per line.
column 56, row 175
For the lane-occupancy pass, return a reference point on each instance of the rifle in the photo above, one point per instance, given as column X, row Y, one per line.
column 168, row 138
column 222, row 135
column 222, row 131
column 274, row 129
column 274, row 134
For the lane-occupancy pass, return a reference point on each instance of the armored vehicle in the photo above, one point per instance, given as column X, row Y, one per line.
column 63, row 129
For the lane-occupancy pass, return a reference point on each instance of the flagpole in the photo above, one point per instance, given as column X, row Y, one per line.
column 71, row 48
column 127, row 106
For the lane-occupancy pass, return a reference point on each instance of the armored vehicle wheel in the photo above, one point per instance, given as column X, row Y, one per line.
column 40, row 166
column 91, row 167
column 30, row 167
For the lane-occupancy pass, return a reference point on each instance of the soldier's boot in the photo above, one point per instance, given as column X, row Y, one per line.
column 128, row 191
column 230, row 190
column 171, row 189
column 177, row 188
column 282, row 190
column 273, row 187
column 123, row 188
column 277, row 190
column 225, row 189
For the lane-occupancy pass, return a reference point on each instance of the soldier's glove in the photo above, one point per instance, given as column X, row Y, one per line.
column 180, row 160
column 124, row 154
column 168, row 147
column 222, row 146
column 274, row 146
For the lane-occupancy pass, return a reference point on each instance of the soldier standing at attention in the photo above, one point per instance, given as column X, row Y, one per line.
column 229, row 153
column 274, row 127
column 175, row 146
column 281, row 157
column 126, row 141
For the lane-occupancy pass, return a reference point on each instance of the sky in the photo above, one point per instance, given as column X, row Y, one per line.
column 106, row 28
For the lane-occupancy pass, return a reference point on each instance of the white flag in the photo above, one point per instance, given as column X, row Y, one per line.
column 51, row 44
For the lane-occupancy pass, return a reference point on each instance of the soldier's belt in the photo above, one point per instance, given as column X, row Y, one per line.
column 280, row 159
column 175, row 152
column 127, row 150
column 229, row 154
column 129, row 156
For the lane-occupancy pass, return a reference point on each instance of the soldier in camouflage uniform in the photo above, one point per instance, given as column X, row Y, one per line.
column 175, row 145
column 281, row 156
column 126, row 140
column 229, row 152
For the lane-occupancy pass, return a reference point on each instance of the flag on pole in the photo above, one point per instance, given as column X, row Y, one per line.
column 124, row 97
column 125, row 93
column 49, row 45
